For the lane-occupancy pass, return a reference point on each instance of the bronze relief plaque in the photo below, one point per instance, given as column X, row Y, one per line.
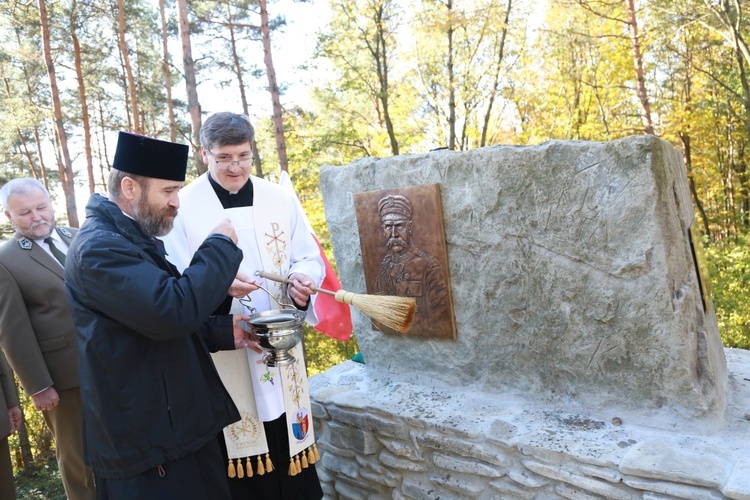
column 404, row 253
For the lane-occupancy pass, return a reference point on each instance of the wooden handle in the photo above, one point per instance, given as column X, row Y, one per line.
column 280, row 279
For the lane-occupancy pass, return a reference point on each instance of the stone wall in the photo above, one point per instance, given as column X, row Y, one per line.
column 585, row 365
column 381, row 438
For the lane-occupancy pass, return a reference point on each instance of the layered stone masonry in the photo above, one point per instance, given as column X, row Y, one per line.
column 384, row 438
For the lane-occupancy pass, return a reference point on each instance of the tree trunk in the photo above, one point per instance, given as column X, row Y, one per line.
column 273, row 87
column 42, row 167
column 66, row 166
column 496, row 83
column 23, row 440
column 648, row 126
column 381, row 61
column 167, row 73
column 451, row 82
column 194, row 107
column 241, row 82
column 82, row 98
column 23, row 147
column 104, row 156
column 128, row 69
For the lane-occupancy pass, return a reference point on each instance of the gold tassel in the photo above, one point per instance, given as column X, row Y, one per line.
column 261, row 469
column 269, row 464
column 310, row 456
column 230, row 469
column 297, row 464
column 292, row 467
column 305, row 465
column 249, row 467
column 315, row 449
column 240, row 469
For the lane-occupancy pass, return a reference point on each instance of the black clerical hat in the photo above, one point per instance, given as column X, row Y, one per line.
column 141, row 155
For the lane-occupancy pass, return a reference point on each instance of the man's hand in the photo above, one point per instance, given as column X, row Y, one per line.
column 225, row 227
column 14, row 415
column 46, row 400
column 244, row 339
column 299, row 288
column 242, row 285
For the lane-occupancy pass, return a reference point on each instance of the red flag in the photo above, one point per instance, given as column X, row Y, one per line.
column 334, row 318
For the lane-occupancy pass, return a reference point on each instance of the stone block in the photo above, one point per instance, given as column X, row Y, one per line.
column 351, row 491
column 572, row 275
column 400, row 448
column 580, row 482
column 419, row 489
column 401, row 464
column 388, row 480
column 461, row 465
column 461, row 447
column 738, row 486
column 368, row 421
column 672, row 490
column 689, row 460
column 465, row 486
column 339, row 467
column 346, row 437
column 527, row 478
column 508, row 489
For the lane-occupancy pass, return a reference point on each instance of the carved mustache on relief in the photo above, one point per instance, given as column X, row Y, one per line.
column 396, row 242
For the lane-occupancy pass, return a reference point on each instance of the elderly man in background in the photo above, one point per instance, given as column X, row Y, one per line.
column 10, row 422
column 36, row 330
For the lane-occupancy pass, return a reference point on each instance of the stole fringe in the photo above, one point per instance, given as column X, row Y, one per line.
column 303, row 460
column 240, row 471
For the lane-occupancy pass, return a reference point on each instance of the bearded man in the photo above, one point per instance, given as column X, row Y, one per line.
column 406, row 270
column 153, row 402
column 36, row 330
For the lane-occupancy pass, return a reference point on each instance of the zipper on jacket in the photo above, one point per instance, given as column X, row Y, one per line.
column 166, row 396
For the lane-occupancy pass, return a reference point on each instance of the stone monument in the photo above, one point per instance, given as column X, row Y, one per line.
column 580, row 323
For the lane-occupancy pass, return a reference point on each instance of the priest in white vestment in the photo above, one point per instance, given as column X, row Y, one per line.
column 273, row 237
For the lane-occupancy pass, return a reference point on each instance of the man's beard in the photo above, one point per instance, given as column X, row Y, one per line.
column 153, row 221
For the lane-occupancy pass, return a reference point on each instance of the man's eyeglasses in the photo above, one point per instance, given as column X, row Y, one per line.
column 225, row 161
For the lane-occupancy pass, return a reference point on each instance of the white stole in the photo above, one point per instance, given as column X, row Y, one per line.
column 264, row 236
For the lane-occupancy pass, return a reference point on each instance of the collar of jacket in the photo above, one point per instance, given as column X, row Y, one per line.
column 99, row 206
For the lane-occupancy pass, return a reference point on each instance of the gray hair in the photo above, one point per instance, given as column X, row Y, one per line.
column 225, row 128
column 115, row 180
column 20, row 186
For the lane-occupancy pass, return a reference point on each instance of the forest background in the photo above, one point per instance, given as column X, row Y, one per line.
column 378, row 78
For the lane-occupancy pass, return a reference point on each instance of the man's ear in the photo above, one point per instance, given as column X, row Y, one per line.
column 7, row 214
column 130, row 189
column 204, row 155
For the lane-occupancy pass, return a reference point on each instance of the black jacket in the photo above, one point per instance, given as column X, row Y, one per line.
column 150, row 390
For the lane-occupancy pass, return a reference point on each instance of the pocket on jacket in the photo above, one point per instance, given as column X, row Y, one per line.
column 52, row 344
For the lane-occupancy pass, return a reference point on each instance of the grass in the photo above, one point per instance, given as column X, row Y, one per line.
column 42, row 484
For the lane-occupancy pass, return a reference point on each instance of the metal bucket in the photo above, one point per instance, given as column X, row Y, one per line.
column 278, row 331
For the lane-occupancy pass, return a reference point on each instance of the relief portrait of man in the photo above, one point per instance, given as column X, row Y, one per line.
column 404, row 268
